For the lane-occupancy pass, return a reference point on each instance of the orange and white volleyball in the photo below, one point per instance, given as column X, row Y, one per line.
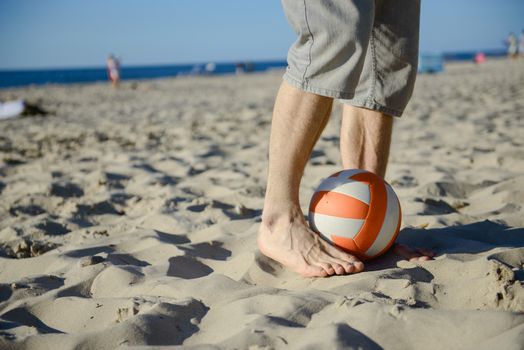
column 357, row 211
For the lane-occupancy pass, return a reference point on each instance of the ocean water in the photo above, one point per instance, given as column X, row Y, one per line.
column 469, row 55
column 434, row 62
column 13, row 78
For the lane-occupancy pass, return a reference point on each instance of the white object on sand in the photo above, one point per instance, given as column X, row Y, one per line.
column 11, row 109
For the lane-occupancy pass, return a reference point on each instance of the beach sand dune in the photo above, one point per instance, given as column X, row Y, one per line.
column 128, row 218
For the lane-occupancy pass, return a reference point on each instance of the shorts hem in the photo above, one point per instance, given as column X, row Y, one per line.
column 346, row 96
column 376, row 107
column 305, row 86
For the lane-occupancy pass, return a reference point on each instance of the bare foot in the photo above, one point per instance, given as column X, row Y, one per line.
column 417, row 254
column 288, row 240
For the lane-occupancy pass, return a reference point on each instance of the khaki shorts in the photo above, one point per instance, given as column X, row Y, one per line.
column 364, row 52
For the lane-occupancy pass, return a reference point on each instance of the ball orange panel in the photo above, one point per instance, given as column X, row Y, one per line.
column 337, row 204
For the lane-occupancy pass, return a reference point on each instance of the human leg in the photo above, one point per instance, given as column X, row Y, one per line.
column 321, row 65
column 298, row 119
column 365, row 137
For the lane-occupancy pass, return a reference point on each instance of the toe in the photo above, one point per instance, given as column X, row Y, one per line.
column 339, row 269
column 353, row 265
column 328, row 268
column 410, row 254
column 420, row 258
column 346, row 266
column 313, row 271
column 349, row 267
column 405, row 252
column 358, row 266
column 426, row 252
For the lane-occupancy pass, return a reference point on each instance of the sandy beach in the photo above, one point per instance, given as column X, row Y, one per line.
column 128, row 219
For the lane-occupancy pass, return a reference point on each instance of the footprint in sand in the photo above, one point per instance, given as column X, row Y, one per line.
column 435, row 206
column 187, row 267
column 319, row 157
column 66, row 190
column 26, row 248
column 122, row 198
column 212, row 250
column 514, row 259
column 114, row 180
column 52, row 228
column 31, row 209
column 100, row 208
column 404, row 181
column 235, row 212
column 451, row 189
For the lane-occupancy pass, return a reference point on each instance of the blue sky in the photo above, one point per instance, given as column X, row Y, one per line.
column 74, row 33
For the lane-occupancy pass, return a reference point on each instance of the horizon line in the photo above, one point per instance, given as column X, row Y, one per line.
column 165, row 64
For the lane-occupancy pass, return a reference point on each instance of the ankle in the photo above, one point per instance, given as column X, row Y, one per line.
column 272, row 217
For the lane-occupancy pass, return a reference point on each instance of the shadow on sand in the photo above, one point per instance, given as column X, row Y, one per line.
column 463, row 239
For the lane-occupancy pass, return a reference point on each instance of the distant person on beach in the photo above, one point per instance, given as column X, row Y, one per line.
column 521, row 43
column 364, row 53
column 113, row 70
column 511, row 42
column 240, row 68
column 479, row 58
